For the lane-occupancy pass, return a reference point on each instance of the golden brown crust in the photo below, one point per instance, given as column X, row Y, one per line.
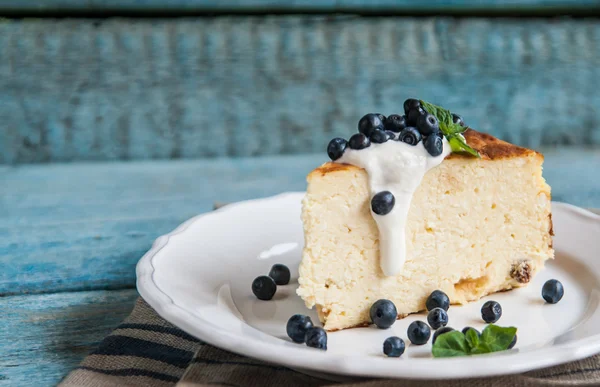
column 491, row 148
column 333, row 167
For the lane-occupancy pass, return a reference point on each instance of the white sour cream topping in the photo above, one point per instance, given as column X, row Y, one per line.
column 399, row 168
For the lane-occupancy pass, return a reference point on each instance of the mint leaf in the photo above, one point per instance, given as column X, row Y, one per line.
column 450, row 344
column 456, row 129
column 492, row 339
column 481, row 348
column 449, row 129
column 459, row 144
column 472, row 338
column 444, row 116
column 498, row 338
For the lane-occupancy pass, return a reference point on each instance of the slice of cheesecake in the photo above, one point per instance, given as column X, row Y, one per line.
column 475, row 226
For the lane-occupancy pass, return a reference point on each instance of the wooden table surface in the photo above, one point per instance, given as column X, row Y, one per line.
column 71, row 235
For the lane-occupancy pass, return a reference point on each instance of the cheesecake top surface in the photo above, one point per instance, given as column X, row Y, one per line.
column 492, row 148
column 488, row 146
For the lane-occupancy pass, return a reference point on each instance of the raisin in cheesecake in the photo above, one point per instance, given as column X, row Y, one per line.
column 418, row 203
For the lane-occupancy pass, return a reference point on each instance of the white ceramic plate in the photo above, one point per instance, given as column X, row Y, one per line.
column 199, row 276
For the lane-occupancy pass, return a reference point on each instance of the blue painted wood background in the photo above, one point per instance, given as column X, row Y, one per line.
column 123, row 89
column 330, row 6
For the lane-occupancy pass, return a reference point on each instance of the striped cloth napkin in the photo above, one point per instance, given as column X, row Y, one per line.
column 145, row 350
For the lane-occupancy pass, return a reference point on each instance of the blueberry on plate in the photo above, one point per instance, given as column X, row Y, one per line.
column 280, row 274
column 437, row 318
column 553, row 291
column 378, row 136
column 465, row 329
column 457, row 119
column 336, row 148
column 383, row 314
column 410, row 135
column 297, row 326
column 316, row 337
column 440, row 331
column 491, row 312
column 411, row 103
column 368, row 123
column 512, row 343
column 437, row 299
column 434, row 145
column 359, row 141
column 383, row 203
column 428, row 124
column 264, row 287
column 393, row 346
column 418, row 332
column 395, row 123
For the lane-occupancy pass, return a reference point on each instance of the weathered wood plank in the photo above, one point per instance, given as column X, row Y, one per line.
column 294, row 6
column 84, row 226
column 119, row 89
column 42, row 337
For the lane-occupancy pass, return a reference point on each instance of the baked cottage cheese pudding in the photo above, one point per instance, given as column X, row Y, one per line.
column 417, row 203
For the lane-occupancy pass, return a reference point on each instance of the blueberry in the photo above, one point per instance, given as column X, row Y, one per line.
column 457, row 119
column 395, row 123
column 379, row 136
column 381, row 117
column 316, row 337
column 336, row 148
column 411, row 103
column 413, row 116
column 410, row 136
column 280, row 274
column 297, row 326
column 512, row 343
column 391, row 135
column 440, row 331
column 465, row 329
column 359, row 141
column 437, row 299
column 368, row 123
column 383, row 313
column 491, row 312
column 437, row 318
column 418, row 332
column 428, row 124
column 553, row 291
column 434, row 145
column 264, row 287
column 383, row 203
column 393, row 346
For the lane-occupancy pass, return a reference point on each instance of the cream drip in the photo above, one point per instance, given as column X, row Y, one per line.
column 397, row 167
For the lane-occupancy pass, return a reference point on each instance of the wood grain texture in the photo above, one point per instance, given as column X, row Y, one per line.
column 43, row 337
column 84, row 226
column 121, row 89
column 294, row 6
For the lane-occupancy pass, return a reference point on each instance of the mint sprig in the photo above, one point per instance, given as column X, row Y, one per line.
column 455, row 343
column 449, row 129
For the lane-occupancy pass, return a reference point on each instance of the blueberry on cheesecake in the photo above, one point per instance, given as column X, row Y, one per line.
column 417, row 202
